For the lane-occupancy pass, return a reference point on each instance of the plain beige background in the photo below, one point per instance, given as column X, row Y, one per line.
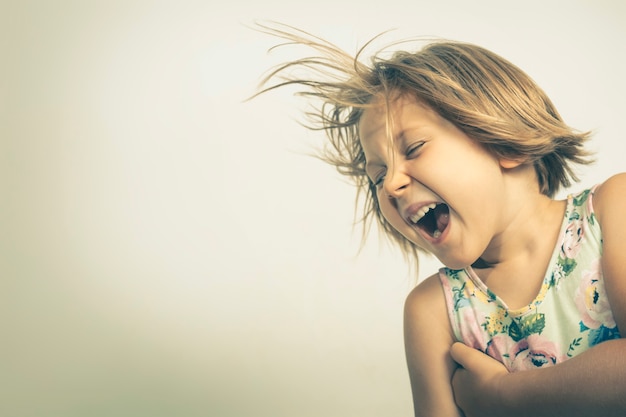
column 167, row 250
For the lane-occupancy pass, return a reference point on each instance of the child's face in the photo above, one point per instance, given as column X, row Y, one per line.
column 436, row 186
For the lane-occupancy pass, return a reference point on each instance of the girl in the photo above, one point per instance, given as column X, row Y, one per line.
column 459, row 153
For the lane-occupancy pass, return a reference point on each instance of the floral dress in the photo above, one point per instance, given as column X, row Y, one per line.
column 570, row 314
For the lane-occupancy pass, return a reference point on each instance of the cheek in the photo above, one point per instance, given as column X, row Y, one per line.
column 390, row 213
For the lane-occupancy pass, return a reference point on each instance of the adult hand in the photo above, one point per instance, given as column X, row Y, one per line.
column 477, row 382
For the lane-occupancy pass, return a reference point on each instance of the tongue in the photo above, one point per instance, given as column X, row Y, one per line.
column 442, row 215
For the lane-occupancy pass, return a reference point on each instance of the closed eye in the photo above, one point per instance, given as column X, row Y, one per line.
column 379, row 180
column 411, row 151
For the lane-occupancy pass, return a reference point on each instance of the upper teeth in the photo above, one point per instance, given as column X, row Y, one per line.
column 422, row 212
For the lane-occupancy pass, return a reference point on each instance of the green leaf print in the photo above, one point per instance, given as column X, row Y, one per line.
column 525, row 326
column 580, row 200
column 601, row 334
column 454, row 273
column 567, row 265
column 459, row 297
column 572, row 346
column 583, row 328
column 592, row 219
column 574, row 216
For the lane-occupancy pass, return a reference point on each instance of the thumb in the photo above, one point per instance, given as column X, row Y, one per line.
column 464, row 355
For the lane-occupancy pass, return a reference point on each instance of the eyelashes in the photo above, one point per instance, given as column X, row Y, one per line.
column 378, row 182
column 411, row 151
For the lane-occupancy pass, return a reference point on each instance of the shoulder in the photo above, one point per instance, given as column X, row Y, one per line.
column 426, row 299
column 610, row 207
column 609, row 198
column 426, row 314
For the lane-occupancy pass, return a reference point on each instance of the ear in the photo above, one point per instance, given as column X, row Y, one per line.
column 511, row 163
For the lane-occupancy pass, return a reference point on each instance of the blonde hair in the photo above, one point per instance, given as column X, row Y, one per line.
column 484, row 95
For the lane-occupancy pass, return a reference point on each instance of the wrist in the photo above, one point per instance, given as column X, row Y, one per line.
column 515, row 394
column 504, row 398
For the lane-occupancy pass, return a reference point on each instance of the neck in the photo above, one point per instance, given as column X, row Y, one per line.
column 516, row 269
column 515, row 261
column 529, row 232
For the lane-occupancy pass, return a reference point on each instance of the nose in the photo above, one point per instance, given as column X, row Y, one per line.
column 396, row 182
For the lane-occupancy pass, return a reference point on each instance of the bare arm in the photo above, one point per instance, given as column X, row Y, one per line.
column 428, row 338
column 592, row 383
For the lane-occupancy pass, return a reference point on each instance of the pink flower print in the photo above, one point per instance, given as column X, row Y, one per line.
column 534, row 352
column 472, row 333
column 499, row 347
column 591, row 299
column 572, row 239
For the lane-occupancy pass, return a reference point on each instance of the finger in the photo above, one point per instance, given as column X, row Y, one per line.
column 463, row 354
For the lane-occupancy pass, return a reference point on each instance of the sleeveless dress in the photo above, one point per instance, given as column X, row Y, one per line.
column 570, row 314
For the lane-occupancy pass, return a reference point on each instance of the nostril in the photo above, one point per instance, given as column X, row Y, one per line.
column 396, row 182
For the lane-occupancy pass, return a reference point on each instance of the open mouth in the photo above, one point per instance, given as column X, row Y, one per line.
column 432, row 219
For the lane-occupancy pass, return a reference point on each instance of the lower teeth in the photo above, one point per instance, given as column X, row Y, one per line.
column 436, row 234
